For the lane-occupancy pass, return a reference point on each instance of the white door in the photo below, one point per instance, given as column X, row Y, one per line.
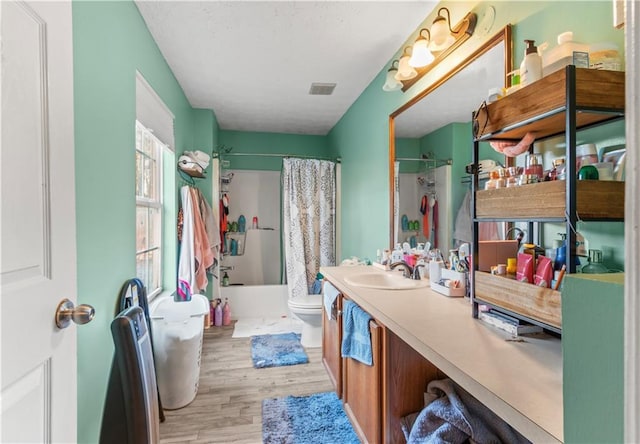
column 38, row 249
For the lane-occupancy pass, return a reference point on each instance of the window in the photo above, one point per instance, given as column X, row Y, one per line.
column 149, row 209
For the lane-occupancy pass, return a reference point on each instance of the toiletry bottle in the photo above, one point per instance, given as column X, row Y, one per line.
column 397, row 254
column 254, row 223
column 218, row 313
column 531, row 66
column 226, row 312
column 225, row 279
column 534, row 166
column 588, row 172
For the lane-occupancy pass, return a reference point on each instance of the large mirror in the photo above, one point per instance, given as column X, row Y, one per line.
column 430, row 145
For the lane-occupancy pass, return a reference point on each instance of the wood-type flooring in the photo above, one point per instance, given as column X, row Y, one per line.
column 228, row 406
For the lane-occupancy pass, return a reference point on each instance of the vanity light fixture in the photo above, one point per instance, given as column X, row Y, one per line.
column 441, row 32
column 442, row 40
column 392, row 84
column 405, row 70
column 421, row 55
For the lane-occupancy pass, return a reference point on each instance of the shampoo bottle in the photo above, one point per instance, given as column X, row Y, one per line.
column 531, row 66
column 226, row 313
column 218, row 314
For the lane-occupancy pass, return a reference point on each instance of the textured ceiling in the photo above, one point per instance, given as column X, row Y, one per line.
column 253, row 62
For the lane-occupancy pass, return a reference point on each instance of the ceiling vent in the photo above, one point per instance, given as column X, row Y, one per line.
column 322, row 89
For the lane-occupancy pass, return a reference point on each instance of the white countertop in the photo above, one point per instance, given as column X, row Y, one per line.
column 520, row 381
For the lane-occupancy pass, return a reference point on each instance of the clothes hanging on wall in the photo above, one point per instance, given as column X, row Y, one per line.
column 212, row 229
column 224, row 214
column 434, row 225
column 186, row 261
column 202, row 250
column 424, row 210
column 197, row 250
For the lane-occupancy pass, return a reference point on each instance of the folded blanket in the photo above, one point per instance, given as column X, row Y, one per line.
column 356, row 339
column 455, row 417
column 330, row 295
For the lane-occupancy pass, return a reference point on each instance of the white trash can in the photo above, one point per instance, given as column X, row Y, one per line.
column 177, row 342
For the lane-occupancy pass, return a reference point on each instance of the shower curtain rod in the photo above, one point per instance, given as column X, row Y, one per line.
column 417, row 159
column 335, row 159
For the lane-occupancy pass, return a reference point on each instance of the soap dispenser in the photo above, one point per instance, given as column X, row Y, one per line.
column 531, row 66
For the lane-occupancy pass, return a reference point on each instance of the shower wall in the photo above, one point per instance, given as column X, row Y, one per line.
column 255, row 193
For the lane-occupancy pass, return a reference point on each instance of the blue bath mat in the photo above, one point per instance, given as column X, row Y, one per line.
column 313, row 419
column 277, row 350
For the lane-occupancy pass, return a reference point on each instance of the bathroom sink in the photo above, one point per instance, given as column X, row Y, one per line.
column 384, row 281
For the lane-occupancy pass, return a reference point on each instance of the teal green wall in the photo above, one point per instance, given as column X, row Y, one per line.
column 593, row 358
column 111, row 42
column 409, row 149
column 205, row 139
column 271, row 143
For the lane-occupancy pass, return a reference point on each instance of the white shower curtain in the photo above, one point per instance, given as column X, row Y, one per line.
column 309, row 207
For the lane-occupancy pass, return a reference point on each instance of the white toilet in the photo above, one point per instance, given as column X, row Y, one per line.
column 309, row 310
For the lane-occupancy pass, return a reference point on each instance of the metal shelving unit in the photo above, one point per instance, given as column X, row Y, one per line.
column 564, row 102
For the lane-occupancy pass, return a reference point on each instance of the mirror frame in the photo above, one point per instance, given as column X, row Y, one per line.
column 504, row 35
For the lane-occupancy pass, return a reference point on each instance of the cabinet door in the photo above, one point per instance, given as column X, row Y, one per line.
column 362, row 391
column 331, row 341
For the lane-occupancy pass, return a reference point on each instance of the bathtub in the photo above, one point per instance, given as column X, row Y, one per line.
column 257, row 301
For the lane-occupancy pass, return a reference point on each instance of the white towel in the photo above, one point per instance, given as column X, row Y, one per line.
column 186, row 264
column 202, row 159
column 187, row 163
column 330, row 295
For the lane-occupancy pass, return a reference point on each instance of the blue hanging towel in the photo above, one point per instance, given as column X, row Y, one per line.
column 356, row 342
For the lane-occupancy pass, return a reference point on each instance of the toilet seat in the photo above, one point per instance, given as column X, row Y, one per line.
column 306, row 301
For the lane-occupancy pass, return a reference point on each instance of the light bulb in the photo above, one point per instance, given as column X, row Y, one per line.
column 441, row 38
column 405, row 71
column 420, row 56
column 391, row 84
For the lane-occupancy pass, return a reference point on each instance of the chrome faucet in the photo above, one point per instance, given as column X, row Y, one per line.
column 408, row 271
column 416, row 272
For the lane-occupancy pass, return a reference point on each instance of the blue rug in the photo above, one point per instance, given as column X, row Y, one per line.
column 314, row 419
column 277, row 350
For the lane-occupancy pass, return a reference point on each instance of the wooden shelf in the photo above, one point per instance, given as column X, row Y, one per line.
column 540, row 107
column 538, row 303
column 596, row 200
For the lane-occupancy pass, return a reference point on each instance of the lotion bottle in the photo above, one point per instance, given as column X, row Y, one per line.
column 218, row 313
column 531, row 66
column 226, row 313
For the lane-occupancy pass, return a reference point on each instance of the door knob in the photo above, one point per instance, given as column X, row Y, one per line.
column 67, row 312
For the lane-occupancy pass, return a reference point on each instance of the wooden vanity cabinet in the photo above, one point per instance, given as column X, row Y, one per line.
column 406, row 375
column 331, row 344
column 362, row 390
column 376, row 397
